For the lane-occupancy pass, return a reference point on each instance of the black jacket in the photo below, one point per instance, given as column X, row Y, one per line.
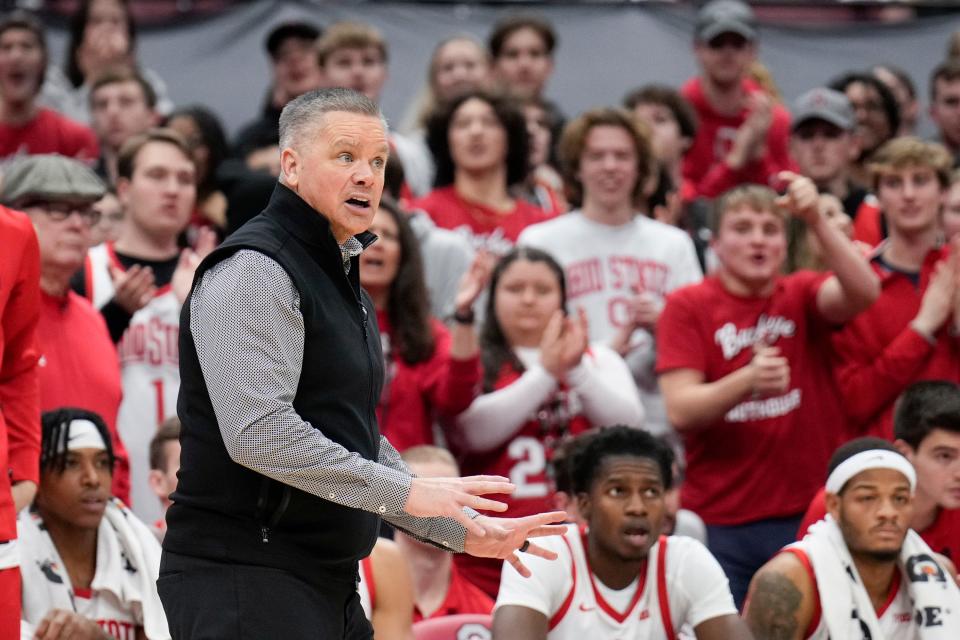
column 224, row 511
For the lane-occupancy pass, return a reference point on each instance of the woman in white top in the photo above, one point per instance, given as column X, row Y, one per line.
column 542, row 383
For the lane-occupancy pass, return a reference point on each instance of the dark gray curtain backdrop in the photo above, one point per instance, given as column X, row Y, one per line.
column 603, row 50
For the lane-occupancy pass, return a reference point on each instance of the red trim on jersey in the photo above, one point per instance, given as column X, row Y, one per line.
column 801, row 555
column 603, row 604
column 894, row 588
column 86, row 594
column 112, row 256
column 815, row 620
column 662, row 594
column 371, row 584
column 562, row 611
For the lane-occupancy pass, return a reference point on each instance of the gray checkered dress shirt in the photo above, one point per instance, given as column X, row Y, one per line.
column 249, row 335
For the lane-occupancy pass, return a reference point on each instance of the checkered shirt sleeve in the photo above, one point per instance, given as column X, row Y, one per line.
column 249, row 335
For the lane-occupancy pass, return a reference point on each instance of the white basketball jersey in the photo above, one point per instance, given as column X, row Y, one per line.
column 896, row 617
column 585, row 613
column 680, row 586
column 106, row 610
column 366, row 588
column 150, row 372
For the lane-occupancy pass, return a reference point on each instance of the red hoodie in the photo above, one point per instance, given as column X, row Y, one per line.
column 19, row 388
column 703, row 164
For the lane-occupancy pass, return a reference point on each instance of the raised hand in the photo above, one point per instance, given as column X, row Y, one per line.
column 474, row 281
column 646, row 310
column 133, row 288
column 749, row 144
column 940, row 298
column 190, row 259
column 771, row 372
column 503, row 537
column 552, row 344
column 446, row 497
column 575, row 339
column 801, row 198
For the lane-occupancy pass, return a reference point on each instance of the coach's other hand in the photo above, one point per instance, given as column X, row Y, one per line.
column 505, row 536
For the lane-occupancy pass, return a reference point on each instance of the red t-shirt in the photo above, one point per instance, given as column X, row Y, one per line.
column 766, row 457
column 414, row 394
column 19, row 401
column 523, row 459
column 943, row 536
column 49, row 132
column 703, row 164
column 878, row 355
column 462, row 597
column 496, row 231
column 79, row 368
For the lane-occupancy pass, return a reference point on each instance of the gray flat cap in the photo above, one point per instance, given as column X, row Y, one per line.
column 50, row 177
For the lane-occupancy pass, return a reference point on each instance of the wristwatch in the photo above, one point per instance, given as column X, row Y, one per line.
column 463, row 316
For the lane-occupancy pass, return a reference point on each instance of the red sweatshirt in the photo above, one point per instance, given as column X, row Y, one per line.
column 485, row 228
column 49, row 132
column 703, row 164
column 414, row 395
column 79, row 368
column 19, row 399
column 878, row 355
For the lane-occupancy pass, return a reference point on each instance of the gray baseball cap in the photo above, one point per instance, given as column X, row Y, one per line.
column 726, row 16
column 49, row 177
column 824, row 104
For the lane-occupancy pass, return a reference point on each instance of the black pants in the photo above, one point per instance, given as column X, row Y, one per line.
column 206, row 600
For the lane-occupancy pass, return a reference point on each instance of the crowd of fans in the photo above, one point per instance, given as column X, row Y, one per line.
column 754, row 283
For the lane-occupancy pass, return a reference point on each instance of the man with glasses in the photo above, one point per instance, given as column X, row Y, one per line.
column 78, row 365
column 742, row 136
column 139, row 283
column 824, row 145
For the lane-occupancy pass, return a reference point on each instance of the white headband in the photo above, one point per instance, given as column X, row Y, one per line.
column 872, row 459
column 84, row 435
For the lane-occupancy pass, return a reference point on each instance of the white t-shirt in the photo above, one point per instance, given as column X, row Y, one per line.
column 578, row 606
column 606, row 266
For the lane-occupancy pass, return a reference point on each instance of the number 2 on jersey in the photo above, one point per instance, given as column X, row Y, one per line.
column 529, row 472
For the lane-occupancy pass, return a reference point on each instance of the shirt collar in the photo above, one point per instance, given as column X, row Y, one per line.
column 348, row 250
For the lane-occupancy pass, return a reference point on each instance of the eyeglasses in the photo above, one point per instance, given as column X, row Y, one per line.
column 60, row 211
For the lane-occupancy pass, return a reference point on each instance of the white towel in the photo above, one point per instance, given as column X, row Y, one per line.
column 847, row 608
column 121, row 537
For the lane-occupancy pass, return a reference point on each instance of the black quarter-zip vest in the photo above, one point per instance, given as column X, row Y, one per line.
column 224, row 511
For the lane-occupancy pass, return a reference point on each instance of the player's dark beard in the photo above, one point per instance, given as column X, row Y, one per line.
column 881, row 556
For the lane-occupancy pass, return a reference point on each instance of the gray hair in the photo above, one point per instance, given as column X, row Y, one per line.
column 306, row 112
